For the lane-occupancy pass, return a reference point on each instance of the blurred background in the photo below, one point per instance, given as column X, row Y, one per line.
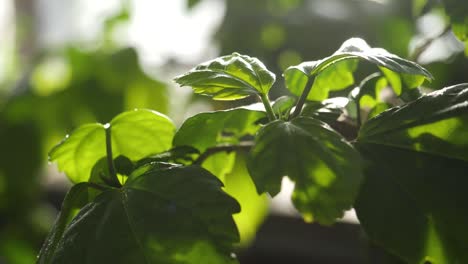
column 66, row 63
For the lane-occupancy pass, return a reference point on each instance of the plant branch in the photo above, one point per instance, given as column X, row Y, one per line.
column 303, row 98
column 110, row 161
column 420, row 49
column 243, row 146
column 268, row 108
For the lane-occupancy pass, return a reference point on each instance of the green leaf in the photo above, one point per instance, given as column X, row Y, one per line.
column 424, row 125
column 138, row 133
column 174, row 215
column 254, row 206
column 327, row 111
column 209, row 129
column 180, row 154
column 325, row 168
column 135, row 134
column 458, row 13
column 413, row 200
column 231, row 169
column 283, row 105
column 229, row 77
column 78, row 152
column 337, row 69
column 192, row 3
column 418, row 7
column 400, row 82
column 77, row 197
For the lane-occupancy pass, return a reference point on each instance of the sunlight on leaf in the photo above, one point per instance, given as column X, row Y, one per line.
column 229, row 77
column 135, row 134
column 325, row 168
column 335, row 72
column 413, row 198
column 209, row 129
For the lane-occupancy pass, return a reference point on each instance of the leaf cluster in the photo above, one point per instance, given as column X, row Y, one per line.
column 148, row 192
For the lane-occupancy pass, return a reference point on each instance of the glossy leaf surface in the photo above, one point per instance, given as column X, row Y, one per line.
column 174, row 215
column 325, row 168
column 335, row 72
column 229, row 77
column 134, row 134
column 413, row 200
column 209, row 129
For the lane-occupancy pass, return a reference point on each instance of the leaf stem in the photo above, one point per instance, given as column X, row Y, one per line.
column 268, row 108
column 357, row 99
column 243, row 146
column 303, row 98
column 110, row 161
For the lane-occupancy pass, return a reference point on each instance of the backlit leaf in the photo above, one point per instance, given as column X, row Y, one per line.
column 135, row 134
column 209, row 129
column 413, row 200
column 229, row 77
column 325, row 168
column 335, row 72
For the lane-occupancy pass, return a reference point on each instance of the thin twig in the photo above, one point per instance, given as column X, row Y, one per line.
column 268, row 108
column 243, row 146
column 110, row 159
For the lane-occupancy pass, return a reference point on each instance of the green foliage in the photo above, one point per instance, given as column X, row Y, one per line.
column 146, row 193
column 206, row 130
column 77, row 153
column 283, row 105
column 172, row 215
column 420, row 212
column 229, row 77
column 458, row 12
column 325, row 168
column 209, row 130
column 77, row 197
column 336, row 72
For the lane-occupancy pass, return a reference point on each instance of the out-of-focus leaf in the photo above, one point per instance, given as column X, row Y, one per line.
column 16, row 251
column 377, row 109
column 413, row 200
column 174, row 215
column 458, row 13
column 337, row 69
column 134, row 134
column 325, row 168
column 400, row 82
column 192, row 3
column 418, row 7
column 229, row 77
column 254, row 206
column 231, row 169
column 209, row 129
